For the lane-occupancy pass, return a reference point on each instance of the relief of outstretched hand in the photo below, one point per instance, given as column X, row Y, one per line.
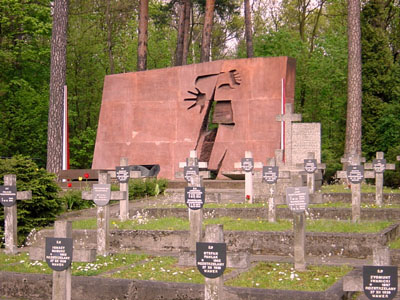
column 199, row 99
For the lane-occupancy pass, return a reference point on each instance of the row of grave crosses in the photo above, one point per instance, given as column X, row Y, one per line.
column 356, row 172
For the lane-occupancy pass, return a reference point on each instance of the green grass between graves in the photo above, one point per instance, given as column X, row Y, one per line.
column 265, row 205
column 395, row 244
column 365, row 188
column 161, row 269
column 22, row 264
column 146, row 267
column 282, row 276
column 172, row 223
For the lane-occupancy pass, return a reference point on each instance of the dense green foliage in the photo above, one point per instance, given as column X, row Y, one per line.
column 25, row 30
column 102, row 39
column 139, row 188
column 45, row 204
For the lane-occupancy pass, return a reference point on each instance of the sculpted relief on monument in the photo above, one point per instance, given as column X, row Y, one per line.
column 221, row 109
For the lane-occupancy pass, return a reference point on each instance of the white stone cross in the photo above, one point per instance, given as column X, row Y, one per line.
column 379, row 175
column 192, row 160
column 10, row 214
column 289, row 117
column 103, row 214
column 62, row 279
column 248, row 175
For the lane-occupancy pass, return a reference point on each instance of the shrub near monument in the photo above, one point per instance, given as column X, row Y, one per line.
column 45, row 204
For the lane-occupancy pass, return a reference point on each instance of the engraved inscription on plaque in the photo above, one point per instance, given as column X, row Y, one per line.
column 379, row 165
column 58, row 253
column 355, row 174
column 297, row 198
column 8, row 195
column 101, row 194
column 247, row 164
column 270, row 174
column 194, row 197
column 211, row 259
column 380, row 282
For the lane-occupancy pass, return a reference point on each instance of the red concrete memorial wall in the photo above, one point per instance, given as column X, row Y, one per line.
column 158, row 116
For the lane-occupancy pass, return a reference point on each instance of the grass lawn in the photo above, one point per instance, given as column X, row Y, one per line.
column 365, row 188
column 282, row 276
column 395, row 244
column 172, row 223
column 146, row 267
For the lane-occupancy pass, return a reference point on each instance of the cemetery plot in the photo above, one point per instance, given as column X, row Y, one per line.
column 269, row 275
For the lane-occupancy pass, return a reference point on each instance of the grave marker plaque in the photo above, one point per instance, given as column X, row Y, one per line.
column 270, row 174
column 379, row 165
column 380, row 282
column 194, row 197
column 8, row 195
column 297, row 198
column 58, row 253
column 247, row 164
column 189, row 171
column 123, row 173
column 101, row 194
column 355, row 174
column 310, row 165
column 211, row 259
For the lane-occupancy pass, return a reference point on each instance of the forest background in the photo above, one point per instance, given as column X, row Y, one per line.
column 103, row 37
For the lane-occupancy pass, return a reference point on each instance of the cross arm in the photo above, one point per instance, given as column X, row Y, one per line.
column 115, row 195
column 257, row 165
column 202, row 165
column 369, row 174
column 369, row 166
column 25, row 195
column 132, row 174
column 341, row 174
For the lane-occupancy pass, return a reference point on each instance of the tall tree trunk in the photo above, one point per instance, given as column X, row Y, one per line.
column 180, row 38
column 142, row 36
column 248, row 27
column 186, row 34
column 207, row 30
column 58, row 65
column 109, row 38
column 354, row 81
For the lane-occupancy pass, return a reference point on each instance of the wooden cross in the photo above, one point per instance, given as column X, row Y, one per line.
column 62, row 279
column 379, row 167
column 103, row 214
column 192, row 160
column 9, row 194
column 195, row 216
column 354, row 161
column 124, row 187
column 272, row 191
column 311, row 175
column 248, row 190
column 288, row 118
